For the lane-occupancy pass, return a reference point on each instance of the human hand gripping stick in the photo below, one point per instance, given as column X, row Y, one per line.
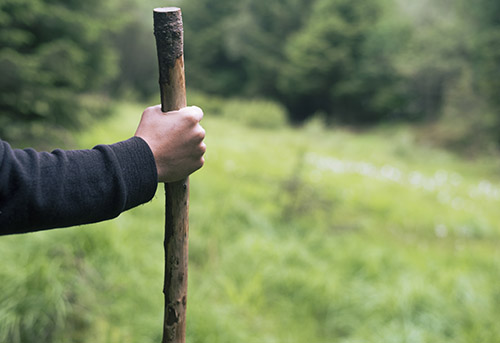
column 176, row 140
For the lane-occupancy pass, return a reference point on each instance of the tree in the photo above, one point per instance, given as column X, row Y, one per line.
column 340, row 64
column 484, row 19
column 209, row 66
column 237, row 47
column 257, row 35
column 51, row 53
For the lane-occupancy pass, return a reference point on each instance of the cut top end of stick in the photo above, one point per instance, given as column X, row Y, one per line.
column 169, row 39
column 166, row 9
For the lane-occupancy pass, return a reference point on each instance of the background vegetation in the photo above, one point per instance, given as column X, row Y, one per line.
column 372, row 218
column 362, row 63
column 296, row 235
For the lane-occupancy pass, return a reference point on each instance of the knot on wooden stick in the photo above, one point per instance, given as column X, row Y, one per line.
column 172, row 316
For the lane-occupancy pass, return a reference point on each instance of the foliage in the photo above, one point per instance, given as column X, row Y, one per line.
column 138, row 64
column 337, row 57
column 52, row 53
column 357, row 62
column 483, row 19
column 445, row 66
column 296, row 235
column 261, row 48
column 340, row 63
column 208, row 65
column 258, row 113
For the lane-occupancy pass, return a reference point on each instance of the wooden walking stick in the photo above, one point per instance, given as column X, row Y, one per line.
column 169, row 44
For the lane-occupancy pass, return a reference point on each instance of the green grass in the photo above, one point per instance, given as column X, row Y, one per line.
column 296, row 235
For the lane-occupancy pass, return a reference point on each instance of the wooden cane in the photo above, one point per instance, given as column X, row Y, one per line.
column 169, row 43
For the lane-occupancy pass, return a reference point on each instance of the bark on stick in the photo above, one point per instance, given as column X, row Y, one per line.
column 169, row 42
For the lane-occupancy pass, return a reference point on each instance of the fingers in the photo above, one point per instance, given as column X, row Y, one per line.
column 193, row 113
column 176, row 139
column 199, row 133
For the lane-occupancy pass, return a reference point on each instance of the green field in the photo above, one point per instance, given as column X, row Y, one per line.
column 296, row 235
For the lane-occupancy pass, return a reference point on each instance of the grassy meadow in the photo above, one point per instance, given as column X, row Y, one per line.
column 296, row 235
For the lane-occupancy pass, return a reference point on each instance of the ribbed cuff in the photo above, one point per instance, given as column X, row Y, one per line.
column 139, row 170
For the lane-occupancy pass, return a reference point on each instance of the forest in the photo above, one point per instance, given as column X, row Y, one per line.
column 351, row 185
column 357, row 63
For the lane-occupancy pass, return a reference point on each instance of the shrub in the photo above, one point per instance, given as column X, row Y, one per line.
column 258, row 113
column 255, row 113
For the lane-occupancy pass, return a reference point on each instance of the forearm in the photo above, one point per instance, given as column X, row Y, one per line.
column 65, row 188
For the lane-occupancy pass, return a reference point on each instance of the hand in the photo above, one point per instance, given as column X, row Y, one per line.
column 176, row 140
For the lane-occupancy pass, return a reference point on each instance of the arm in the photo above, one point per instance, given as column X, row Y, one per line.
column 40, row 190
column 64, row 188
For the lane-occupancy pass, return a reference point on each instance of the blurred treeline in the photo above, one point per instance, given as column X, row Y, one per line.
column 357, row 62
column 62, row 61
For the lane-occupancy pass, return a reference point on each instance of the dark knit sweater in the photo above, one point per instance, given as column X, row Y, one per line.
column 41, row 190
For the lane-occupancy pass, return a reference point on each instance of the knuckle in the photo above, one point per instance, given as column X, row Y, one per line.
column 198, row 111
column 203, row 148
column 194, row 114
column 191, row 118
column 200, row 134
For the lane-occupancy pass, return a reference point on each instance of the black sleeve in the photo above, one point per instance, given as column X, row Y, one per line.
column 41, row 190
